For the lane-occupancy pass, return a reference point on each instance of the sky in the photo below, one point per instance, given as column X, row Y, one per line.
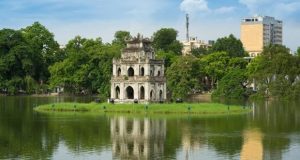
column 209, row 19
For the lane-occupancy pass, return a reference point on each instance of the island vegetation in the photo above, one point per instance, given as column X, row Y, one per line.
column 172, row 108
column 32, row 62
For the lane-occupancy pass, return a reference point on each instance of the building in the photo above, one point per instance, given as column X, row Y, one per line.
column 260, row 31
column 137, row 75
column 137, row 138
column 194, row 43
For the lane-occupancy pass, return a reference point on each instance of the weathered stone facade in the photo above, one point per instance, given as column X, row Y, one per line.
column 137, row 75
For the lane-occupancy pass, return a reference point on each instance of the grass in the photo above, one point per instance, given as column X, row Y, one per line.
column 158, row 109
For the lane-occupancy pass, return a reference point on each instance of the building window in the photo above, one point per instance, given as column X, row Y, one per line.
column 151, row 95
column 130, row 92
column 142, row 71
column 130, row 72
column 142, row 93
column 117, row 92
column 119, row 72
column 158, row 73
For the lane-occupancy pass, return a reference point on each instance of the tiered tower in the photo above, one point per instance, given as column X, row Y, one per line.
column 137, row 75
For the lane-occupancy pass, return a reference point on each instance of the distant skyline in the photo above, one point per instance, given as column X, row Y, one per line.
column 209, row 19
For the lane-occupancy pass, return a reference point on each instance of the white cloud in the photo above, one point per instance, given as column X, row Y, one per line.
column 223, row 10
column 279, row 8
column 201, row 6
column 191, row 6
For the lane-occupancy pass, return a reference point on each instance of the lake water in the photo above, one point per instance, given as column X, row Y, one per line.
column 271, row 131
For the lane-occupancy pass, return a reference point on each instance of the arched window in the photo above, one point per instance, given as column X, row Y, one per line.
column 142, row 93
column 142, row 71
column 130, row 72
column 130, row 92
column 158, row 73
column 151, row 95
column 160, row 95
column 117, row 92
column 119, row 72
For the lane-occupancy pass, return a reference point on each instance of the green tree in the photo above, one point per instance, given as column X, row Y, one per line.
column 215, row 66
column 17, row 60
column 231, row 45
column 298, row 51
column 44, row 46
column 232, row 85
column 87, row 67
column 165, row 39
column 275, row 68
column 200, row 52
column 120, row 37
column 183, row 76
column 168, row 57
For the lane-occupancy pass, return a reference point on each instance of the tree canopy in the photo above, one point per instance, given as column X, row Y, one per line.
column 87, row 67
column 165, row 40
column 231, row 45
column 120, row 37
column 32, row 62
column 275, row 67
column 183, row 77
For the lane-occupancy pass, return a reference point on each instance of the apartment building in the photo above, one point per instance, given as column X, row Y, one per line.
column 260, row 31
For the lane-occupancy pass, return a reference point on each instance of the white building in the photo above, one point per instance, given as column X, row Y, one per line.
column 194, row 43
column 137, row 75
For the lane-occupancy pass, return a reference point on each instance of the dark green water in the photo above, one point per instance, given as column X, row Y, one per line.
column 271, row 131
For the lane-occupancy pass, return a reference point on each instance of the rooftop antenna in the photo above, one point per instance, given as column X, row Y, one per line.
column 187, row 28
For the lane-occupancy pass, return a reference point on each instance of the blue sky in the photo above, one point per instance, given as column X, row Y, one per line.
column 210, row 19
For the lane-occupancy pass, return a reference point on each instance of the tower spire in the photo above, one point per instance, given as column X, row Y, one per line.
column 187, row 28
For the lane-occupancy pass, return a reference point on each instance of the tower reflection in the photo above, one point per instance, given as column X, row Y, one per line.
column 134, row 138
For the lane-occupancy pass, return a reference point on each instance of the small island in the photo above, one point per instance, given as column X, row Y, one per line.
column 167, row 108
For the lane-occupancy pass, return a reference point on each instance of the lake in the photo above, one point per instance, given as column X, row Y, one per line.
column 270, row 131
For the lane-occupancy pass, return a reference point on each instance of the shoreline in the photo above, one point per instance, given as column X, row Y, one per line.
column 152, row 109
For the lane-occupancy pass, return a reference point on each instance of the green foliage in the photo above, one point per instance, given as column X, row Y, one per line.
column 232, row 85
column 165, row 39
column 24, row 58
column 45, row 48
column 183, row 76
column 200, row 52
column 215, row 66
column 87, row 67
column 274, row 72
column 295, row 90
column 168, row 57
column 231, row 45
column 120, row 37
column 280, row 86
column 84, row 66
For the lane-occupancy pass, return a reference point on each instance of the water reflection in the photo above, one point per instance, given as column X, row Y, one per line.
column 137, row 138
column 252, row 147
column 271, row 131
